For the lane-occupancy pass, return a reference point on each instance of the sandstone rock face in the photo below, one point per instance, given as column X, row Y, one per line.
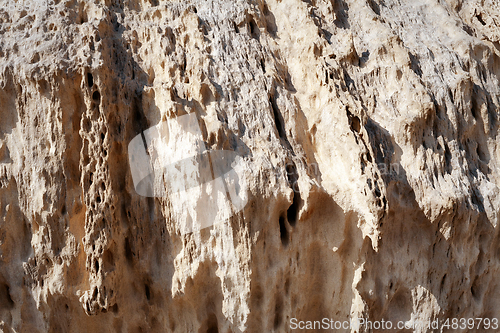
column 369, row 132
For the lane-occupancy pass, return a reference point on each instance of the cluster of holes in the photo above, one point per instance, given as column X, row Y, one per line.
column 90, row 80
column 381, row 201
column 96, row 96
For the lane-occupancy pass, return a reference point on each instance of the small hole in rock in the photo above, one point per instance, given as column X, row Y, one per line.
column 283, row 231
column 355, row 124
column 212, row 324
column 254, row 29
column 90, row 80
column 480, row 19
column 96, row 96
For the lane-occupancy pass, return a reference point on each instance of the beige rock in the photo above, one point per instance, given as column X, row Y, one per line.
column 369, row 137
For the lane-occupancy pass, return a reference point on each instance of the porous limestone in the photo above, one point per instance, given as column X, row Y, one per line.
column 369, row 131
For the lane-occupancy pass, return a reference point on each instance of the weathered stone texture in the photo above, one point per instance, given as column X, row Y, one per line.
column 370, row 131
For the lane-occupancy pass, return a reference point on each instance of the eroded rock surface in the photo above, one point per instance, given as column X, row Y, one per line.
column 370, row 131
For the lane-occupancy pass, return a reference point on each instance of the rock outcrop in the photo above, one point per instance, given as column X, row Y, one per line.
column 369, row 135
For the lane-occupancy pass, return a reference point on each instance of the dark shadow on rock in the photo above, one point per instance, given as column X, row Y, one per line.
column 414, row 253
